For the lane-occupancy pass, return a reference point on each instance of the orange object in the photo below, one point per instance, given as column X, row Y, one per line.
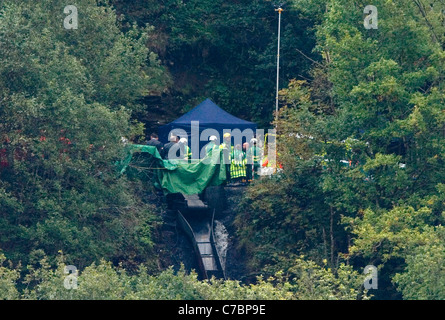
column 265, row 163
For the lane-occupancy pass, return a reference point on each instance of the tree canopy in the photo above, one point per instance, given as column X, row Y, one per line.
column 362, row 145
column 361, row 132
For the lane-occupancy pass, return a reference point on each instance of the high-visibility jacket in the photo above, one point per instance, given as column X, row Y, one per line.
column 187, row 153
column 224, row 146
column 254, row 156
column 210, row 146
column 238, row 164
column 226, row 152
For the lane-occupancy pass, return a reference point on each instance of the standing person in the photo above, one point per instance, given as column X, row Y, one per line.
column 211, row 145
column 254, row 157
column 173, row 145
column 238, row 165
column 247, row 164
column 245, row 147
column 185, row 150
column 154, row 141
column 227, row 150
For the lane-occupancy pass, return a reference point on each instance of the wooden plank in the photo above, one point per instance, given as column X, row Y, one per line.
column 199, row 228
column 194, row 202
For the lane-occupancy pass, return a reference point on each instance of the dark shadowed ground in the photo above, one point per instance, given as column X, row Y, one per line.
column 174, row 248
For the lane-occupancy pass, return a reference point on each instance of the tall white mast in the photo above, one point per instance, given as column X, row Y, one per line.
column 278, row 65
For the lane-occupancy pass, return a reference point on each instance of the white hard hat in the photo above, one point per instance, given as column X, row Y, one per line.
column 213, row 138
column 183, row 140
column 253, row 140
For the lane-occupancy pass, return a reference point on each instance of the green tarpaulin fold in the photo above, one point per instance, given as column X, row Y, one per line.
column 180, row 176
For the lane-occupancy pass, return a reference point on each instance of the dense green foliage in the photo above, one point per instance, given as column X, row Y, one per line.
column 223, row 50
column 361, row 137
column 104, row 282
column 375, row 101
column 66, row 101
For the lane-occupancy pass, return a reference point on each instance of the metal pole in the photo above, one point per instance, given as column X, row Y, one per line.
column 278, row 65
column 274, row 152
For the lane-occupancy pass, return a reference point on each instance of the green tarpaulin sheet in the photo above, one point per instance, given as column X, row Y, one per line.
column 180, row 176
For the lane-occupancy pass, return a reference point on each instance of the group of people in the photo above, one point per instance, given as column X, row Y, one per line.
column 242, row 161
column 180, row 144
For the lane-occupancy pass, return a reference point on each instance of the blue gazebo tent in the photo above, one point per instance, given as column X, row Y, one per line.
column 210, row 116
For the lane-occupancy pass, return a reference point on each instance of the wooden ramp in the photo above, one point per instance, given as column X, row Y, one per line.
column 197, row 223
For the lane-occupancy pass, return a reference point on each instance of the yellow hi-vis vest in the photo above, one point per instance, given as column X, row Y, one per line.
column 187, row 153
column 238, row 164
column 223, row 146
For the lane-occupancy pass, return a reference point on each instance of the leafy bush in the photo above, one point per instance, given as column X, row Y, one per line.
column 8, row 281
column 67, row 97
column 102, row 281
